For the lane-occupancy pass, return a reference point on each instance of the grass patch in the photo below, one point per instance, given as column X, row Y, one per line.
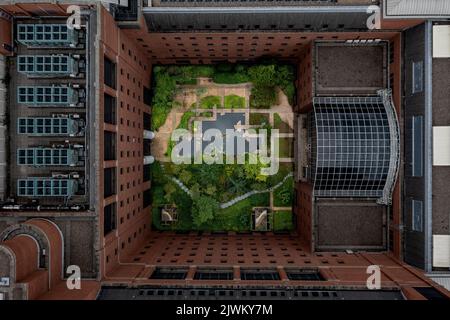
column 184, row 122
column 279, row 124
column 259, row 119
column 283, row 196
column 209, row 102
column 237, row 217
column 233, row 101
column 286, row 147
column 207, row 114
column 282, row 221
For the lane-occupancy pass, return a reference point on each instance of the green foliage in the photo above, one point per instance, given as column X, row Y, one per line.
column 265, row 78
column 185, row 176
column 203, row 210
column 236, row 186
column 184, row 122
column 282, row 221
column 209, row 102
column 283, row 196
column 277, row 121
column 253, row 172
column 233, row 101
column 169, row 190
column 263, row 75
column 206, row 114
column 237, row 217
column 210, row 190
column 230, row 78
column 263, row 97
column 163, row 99
column 259, row 118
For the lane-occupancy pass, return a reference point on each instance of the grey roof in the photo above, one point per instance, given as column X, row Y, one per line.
column 417, row 8
column 263, row 18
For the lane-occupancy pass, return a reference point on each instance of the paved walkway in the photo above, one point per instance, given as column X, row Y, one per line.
column 189, row 95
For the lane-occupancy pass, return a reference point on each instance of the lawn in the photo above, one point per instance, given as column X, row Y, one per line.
column 283, row 196
column 286, row 147
column 210, row 102
column 279, row 124
column 282, row 221
column 237, row 217
column 259, row 119
column 233, row 101
column 184, row 122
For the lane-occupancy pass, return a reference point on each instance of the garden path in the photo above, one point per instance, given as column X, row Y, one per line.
column 284, row 109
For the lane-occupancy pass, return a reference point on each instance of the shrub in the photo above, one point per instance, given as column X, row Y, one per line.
column 230, row 78
column 263, row 97
column 203, row 210
column 263, row 75
column 234, row 101
column 283, row 196
column 184, row 122
column 209, row 102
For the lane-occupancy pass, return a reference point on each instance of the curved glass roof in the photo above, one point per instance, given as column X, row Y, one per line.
column 355, row 147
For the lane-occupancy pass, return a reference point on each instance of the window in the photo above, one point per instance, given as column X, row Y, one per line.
column 304, row 275
column 146, row 198
column 259, row 274
column 147, row 96
column 417, row 80
column 417, row 215
column 417, row 146
column 109, row 146
column 109, row 218
column 146, row 172
column 431, row 293
column 109, row 182
column 109, row 73
column 169, row 273
column 109, row 109
column 214, row 274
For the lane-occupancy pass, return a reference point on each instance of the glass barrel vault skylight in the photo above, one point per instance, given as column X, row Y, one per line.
column 355, row 147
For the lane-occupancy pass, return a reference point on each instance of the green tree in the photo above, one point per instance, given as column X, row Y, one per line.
column 253, row 172
column 236, row 186
column 203, row 210
column 169, row 189
column 185, row 176
column 263, row 75
column 263, row 97
column 210, row 190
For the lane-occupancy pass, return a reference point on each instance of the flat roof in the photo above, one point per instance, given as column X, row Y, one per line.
column 349, row 69
column 416, row 8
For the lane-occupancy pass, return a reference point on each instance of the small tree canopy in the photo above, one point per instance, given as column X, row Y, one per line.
column 203, row 210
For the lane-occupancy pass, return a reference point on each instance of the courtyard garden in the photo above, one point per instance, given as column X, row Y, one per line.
column 221, row 197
